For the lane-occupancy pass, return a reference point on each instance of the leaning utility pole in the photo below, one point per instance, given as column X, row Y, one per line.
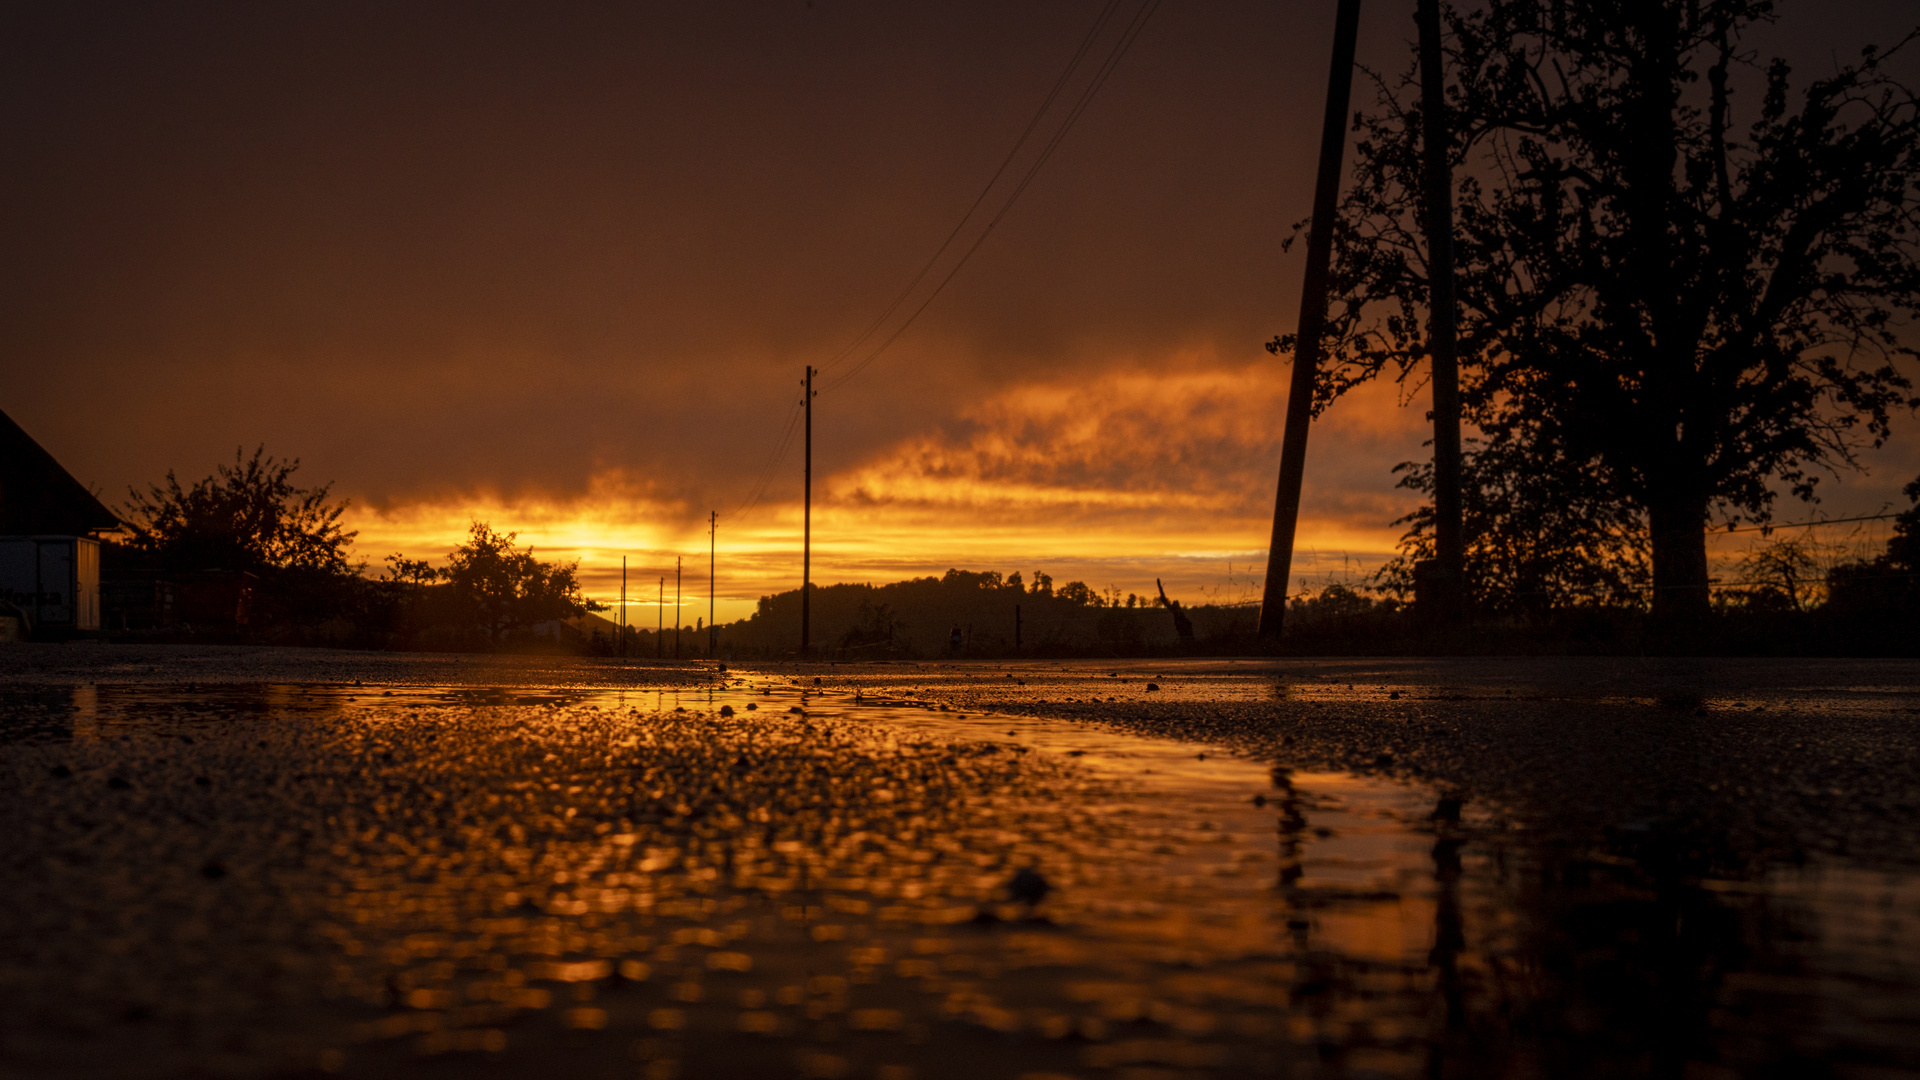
column 1313, row 320
column 713, row 530
column 676, row 607
column 1447, row 580
column 806, row 538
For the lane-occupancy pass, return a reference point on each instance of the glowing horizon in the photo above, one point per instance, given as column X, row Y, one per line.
column 1115, row 480
column 1039, row 477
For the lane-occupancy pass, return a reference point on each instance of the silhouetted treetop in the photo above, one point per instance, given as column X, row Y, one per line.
column 247, row 516
column 505, row 587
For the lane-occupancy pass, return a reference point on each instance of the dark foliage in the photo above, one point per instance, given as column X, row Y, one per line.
column 1883, row 592
column 251, row 521
column 249, row 516
column 274, row 560
column 1339, row 619
column 1540, row 538
column 489, row 586
column 1675, row 290
column 915, row 618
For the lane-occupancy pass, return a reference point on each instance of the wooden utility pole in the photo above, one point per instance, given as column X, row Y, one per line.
column 676, row 607
column 1313, row 320
column 621, row 628
column 1446, row 581
column 660, row 621
column 713, row 531
column 806, row 527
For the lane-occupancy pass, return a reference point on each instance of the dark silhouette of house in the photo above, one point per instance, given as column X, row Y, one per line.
column 49, row 539
column 39, row 497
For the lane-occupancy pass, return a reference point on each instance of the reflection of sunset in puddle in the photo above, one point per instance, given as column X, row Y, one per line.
column 823, row 885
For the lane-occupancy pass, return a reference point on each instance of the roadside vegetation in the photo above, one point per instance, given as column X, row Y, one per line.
column 1687, row 278
column 250, row 555
column 247, row 554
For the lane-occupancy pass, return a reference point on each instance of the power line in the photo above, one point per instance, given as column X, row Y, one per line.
column 1114, row 55
column 774, row 461
column 1100, row 24
column 1808, row 524
column 1059, row 84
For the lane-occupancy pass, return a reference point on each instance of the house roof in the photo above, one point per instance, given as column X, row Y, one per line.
column 38, row 496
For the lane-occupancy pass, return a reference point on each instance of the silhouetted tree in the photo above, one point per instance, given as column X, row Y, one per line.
column 246, row 516
column 1538, row 539
column 415, row 572
column 1078, row 592
column 1782, row 574
column 507, row 588
column 1676, row 311
column 1331, row 604
column 972, row 579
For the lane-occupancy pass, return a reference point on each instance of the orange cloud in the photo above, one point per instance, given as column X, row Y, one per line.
column 1115, row 479
column 1149, row 462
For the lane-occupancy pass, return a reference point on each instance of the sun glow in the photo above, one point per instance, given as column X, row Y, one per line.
column 1116, row 481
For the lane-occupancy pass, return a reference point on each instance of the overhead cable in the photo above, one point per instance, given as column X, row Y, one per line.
column 1059, row 84
column 1099, row 79
column 772, row 467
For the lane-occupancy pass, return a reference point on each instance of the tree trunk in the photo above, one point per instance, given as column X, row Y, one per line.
column 1678, row 521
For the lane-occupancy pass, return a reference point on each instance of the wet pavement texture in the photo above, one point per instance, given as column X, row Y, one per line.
column 282, row 863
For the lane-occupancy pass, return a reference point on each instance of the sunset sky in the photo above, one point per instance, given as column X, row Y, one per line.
column 560, row 266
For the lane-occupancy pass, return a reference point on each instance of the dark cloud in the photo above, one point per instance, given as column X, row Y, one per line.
column 435, row 247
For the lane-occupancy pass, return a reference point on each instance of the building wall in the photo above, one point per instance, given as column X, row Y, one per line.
column 52, row 580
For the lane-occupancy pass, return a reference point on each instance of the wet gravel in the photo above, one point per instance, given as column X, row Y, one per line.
column 302, row 863
column 708, row 876
column 191, row 893
column 1723, row 766
column 95, row 663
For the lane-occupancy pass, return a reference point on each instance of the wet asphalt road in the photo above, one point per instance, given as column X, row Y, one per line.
column 1732, row 763
column 278, row 862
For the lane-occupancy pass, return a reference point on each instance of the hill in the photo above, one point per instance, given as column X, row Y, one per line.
column 918, row 618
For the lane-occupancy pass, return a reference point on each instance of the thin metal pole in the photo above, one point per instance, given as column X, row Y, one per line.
column 1313, row 320
column 621, row 629
column 713, row 531
column 1449, row 531
column 806, row 539
column 676, row 607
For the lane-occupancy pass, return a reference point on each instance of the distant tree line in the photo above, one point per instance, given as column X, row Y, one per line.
column 252, row 520
column 992, row 614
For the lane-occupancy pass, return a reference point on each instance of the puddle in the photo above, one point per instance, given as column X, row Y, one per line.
column 829, row 885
